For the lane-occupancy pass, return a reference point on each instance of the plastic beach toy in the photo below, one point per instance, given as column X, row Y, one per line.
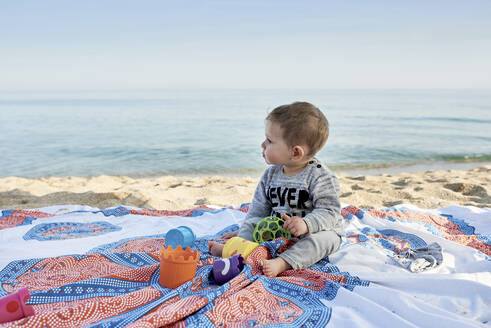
column 227, row 268
column 238, row 245
column 177, row 265
column 270, row 228
column 13, row 306
column 181, row 236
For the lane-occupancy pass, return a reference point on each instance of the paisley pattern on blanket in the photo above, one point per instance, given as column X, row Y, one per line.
column 121, row 210
column 12, row 218
column 116, row 283
column 68, row 230
column 119, row 286
column 444, row 226
column 392, row 240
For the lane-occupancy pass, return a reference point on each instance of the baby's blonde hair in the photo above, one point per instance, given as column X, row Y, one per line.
column 301, row 123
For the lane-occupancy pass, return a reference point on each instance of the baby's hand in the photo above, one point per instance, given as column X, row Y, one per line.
column 295, row 224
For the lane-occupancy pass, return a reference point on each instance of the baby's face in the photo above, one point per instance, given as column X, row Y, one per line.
column 275, row 149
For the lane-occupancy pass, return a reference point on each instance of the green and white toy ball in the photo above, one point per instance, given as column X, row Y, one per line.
column 270, row 228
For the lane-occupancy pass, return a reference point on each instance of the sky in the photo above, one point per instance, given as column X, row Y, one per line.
column 139, row 45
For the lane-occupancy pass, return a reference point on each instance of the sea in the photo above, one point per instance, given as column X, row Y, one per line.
column 147, row 133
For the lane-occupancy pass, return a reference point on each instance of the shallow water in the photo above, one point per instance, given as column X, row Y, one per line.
column 208, row 132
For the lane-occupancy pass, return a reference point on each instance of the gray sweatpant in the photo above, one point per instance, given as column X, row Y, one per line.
column 310, row 248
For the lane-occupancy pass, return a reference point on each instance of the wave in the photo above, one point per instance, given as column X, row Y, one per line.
column 426, row 119
column 439, row 162
column 465, row 158
column 443, row 161
column 448, row 119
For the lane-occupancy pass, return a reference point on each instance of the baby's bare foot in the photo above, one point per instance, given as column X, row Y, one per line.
column 229, row 235
column 214, row 248
column 272, row 268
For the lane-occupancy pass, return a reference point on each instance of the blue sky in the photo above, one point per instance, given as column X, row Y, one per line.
column 119, row 45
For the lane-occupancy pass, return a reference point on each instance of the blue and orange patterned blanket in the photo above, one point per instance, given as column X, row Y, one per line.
column 86, row 267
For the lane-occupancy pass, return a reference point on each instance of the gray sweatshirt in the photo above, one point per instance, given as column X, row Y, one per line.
column 311, row 194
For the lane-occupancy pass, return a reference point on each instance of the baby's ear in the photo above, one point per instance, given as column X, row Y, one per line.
column 299, row 152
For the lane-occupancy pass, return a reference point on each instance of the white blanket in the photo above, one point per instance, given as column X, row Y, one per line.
column 457, row 293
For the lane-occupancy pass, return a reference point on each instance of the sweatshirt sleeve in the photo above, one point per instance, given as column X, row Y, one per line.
column 259, row 209
column 326, row 213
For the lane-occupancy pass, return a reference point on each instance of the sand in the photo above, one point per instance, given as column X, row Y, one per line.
column 429, row 189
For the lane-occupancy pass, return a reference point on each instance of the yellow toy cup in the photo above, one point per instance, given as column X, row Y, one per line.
column 238, row 245
column 177, row 265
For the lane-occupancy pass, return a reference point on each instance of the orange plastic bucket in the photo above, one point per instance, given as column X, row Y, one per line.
column 177, row 266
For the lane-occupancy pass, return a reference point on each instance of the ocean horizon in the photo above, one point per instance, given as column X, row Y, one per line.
column 219, row 132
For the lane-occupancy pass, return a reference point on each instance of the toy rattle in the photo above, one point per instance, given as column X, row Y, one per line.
column 270, row 228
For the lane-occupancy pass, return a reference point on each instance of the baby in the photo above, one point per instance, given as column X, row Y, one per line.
column 297, row 187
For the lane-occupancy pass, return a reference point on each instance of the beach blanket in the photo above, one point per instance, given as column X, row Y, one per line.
column 89, row 267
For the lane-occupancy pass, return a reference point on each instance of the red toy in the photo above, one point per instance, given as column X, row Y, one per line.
column 13, row 306
column 177, row 265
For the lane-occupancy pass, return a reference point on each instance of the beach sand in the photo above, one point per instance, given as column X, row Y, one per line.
column 429, row 189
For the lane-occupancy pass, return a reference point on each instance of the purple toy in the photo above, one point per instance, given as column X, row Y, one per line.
column 13, row 306
column 227, row 268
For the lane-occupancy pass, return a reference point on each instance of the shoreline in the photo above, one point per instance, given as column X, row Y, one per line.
column 411, row 167
column 426, row 189
column 365, row 169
